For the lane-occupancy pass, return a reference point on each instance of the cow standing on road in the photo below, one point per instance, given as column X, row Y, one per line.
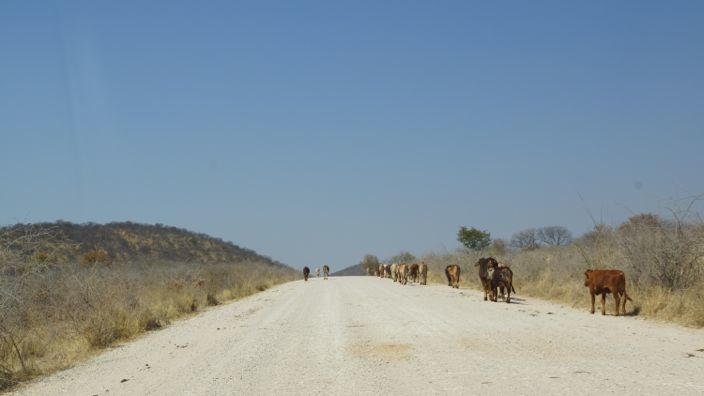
column 607, row 281
column 452, row 272
column 501, row 278
column 326, row 272
column 423, row 269
column 317, row 272
column 402, row 273
column 483, row 265
column 413, row 273
column 306, row 272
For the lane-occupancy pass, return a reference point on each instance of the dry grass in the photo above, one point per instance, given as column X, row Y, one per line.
column 54, row 316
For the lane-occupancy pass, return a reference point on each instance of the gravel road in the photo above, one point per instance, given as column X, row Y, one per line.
column 365, row 335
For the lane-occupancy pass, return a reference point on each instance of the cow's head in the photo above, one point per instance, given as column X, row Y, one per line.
column 586, row 277
column 493, row 264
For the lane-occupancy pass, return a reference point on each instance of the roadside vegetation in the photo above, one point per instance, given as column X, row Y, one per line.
column 663, row 259
column 68, row 290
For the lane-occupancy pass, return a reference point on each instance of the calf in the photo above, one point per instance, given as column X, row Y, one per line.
column 423, row 269
column 607, row 281
column 453, row 275
column 501, row 278
column 306, row 272
column 502, row 291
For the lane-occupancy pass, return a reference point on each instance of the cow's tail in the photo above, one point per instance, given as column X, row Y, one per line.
column 627, row 296
column 512, row 289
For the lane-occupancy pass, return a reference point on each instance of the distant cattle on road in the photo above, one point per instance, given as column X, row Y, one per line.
column 402, row 270
column 423, row 269
column 452, row 272
column 306, row 272
column 326, row 272
column 607, row 281
column 317, row 272
column 394, row 272
column 413, row 273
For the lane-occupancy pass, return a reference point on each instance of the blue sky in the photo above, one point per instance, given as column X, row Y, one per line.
column 317, row 132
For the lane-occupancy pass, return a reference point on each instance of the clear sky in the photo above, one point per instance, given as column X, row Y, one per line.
column 316, row 132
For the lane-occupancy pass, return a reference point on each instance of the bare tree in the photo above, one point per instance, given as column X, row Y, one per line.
column 554, row 235
column 669, row 253
column 369, row 263
column 526, row 239
column 403, row 257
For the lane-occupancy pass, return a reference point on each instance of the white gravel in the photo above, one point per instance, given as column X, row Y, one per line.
column 365, row 335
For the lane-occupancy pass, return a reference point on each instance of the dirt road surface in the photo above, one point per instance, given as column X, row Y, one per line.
column 370, row 336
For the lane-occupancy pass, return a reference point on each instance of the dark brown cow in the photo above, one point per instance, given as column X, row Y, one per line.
column 607, row 281
column 453, row 275
column 502, row 290
column 483, row 265
column 501, row 278
column 306, row 272
column 326, row 272
column 423, row 269
column 413, row 273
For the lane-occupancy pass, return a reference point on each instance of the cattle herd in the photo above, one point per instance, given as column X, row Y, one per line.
column 496, row 280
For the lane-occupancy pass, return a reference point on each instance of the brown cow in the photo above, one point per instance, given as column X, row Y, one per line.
column 453, row 275
column 402, row 273
column 394, row 272
column 413, row 273
column 326, row 272
column 607, row 281
column 501, row 278
column 423, row 269
column 306, row 272
column 483, row 265
column 502, row 290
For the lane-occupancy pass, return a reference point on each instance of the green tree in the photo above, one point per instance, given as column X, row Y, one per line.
column 473, row 238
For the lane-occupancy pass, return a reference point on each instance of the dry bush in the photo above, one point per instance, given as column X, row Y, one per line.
column 96, row 256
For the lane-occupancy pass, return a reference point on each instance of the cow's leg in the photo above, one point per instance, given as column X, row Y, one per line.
column 617, row 299
column 508, row 295
column 593, row 298
column 623, row 310
column 603, row 303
